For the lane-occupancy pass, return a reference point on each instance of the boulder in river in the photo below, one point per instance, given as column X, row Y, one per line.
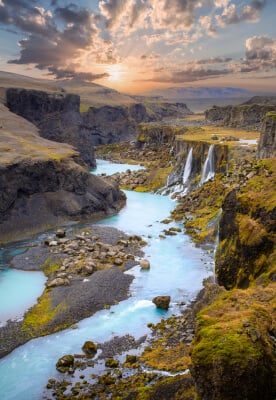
column 145, row 264
column 89, row 348
column 162, row 302
column 64, row 363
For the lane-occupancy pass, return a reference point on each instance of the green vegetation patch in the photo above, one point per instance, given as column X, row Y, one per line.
column 235, row 329
column 36, row 319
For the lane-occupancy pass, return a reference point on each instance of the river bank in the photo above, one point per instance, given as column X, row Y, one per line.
column 85, row 273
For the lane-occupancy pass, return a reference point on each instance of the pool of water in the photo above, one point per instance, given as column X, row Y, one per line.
column 177, row 269
column 105, row 167
column 18, row 289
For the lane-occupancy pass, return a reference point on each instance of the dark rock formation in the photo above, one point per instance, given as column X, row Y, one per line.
column 267, row 143
column 40, row 194
column 247, row 230
column 162, row 302
column 109, row 124
column 89, row 348
column 56, row 115
column 64, row 363
column 246, row 115
column 261, row 100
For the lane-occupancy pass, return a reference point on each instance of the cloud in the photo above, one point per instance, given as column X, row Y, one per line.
column 77, row 76
column 124, row 16
column 260, row 57
column 190, row 75
column 248, row 13
column 60, row 49
column 150, row 56
column 73, row 14
column 260, row 53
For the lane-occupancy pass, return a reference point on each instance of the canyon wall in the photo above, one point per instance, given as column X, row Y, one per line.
column 267, row 142
column 246, row 115
column 57, row 117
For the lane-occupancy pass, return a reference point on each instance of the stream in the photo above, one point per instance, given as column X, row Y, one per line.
column 177, row 269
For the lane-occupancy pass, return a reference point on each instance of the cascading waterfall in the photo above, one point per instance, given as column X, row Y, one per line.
column 188, row 167
column 216, row 249
column 209, row 166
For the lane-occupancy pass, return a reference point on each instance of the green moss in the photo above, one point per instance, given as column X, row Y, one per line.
column 36, row 319
column 251, row 233
column 227, row 339
column 50, row 267
column 271, row 114
column 84, row 108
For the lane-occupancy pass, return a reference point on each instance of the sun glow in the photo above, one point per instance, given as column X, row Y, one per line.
column 114, row 72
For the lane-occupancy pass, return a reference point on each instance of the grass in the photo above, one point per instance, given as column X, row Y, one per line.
column 205, row 133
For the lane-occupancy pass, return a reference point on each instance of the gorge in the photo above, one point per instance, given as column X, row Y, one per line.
column 219, row 345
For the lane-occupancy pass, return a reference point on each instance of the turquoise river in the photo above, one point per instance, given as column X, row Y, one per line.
column 177, row 269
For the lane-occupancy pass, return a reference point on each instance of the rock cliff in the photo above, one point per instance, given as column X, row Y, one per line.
column 267, row 142
column 247, row 229
column 246, row 115
column 233, row 353
column 56, row 115
column 109, row 124
column 42, row 185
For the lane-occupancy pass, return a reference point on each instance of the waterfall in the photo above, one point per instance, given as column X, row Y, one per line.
column 209, row 166
column 216, row 248
column 188, row 166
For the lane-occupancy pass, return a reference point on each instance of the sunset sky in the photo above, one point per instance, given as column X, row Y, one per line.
column 137, row 45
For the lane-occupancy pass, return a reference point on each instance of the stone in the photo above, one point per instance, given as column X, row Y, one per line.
column 64, row 363
column 162, row 302
column 111, row 363
column 53, row 243
column 118, row 261
column 131, row 359
column 89, row 348
column 58, row 282
column 145, row 265
column 87, row 269
column 60, row 233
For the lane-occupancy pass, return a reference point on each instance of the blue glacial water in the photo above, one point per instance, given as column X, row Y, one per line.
column 177, row 269
column 105, row 167
column 18, row 289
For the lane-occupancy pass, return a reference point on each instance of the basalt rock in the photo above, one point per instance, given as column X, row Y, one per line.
column 109, row 124
column 267, row 143
column 57, row 117
column 246, row 115
column 162, row 302
column 38, row 194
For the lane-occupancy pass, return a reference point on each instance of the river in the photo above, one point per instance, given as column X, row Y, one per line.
column 177, row 269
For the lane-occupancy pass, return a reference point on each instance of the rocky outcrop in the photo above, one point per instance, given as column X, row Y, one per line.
column 36, row 195
column 56, row 115
column 109, row 124
column 247, row 229
column 267, row 142
column 232, row 354
column 261, row 100
column 246, row 115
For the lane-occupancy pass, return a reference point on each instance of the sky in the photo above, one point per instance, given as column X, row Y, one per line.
column 138, row 45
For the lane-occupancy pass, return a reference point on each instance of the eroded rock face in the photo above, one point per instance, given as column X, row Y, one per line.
column 267, row 143
column 35, row 195
column 247, row 115
column 109, row 124
column 56, row 115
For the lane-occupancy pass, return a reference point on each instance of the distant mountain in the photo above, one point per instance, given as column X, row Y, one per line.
column 182, row 93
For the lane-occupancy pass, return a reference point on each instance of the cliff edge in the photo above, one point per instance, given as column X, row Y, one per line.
column 56, row 115
column 42, row 184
